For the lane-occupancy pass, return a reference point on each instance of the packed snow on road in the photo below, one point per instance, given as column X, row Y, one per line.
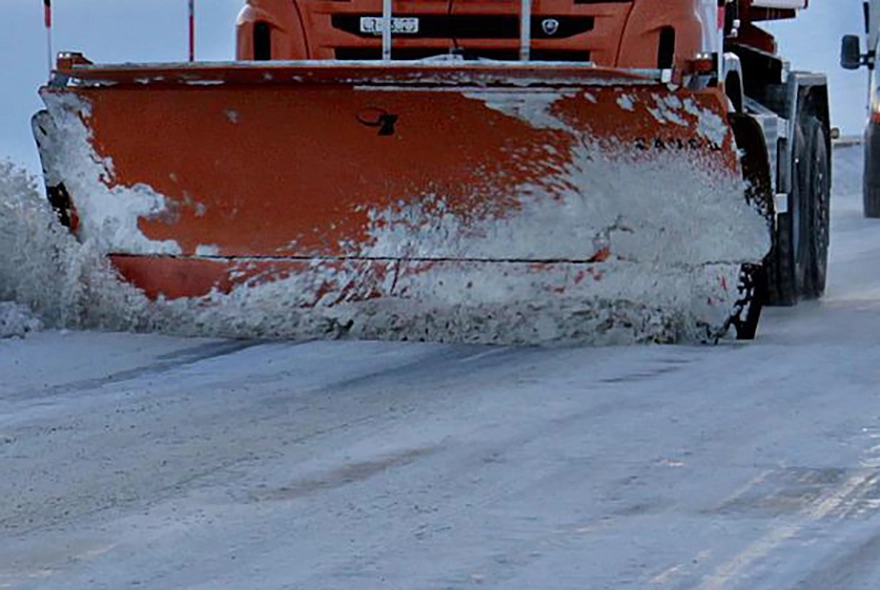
column 151, row 461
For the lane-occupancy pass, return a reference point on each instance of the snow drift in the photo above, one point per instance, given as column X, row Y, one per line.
column 17, row 320
column 45, row 271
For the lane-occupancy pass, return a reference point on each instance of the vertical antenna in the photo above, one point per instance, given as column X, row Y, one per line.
column 386, row 30
column 192, row 30
column 525, row 31
column 47, row 19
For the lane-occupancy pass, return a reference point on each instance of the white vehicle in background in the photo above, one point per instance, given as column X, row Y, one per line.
column 852, row 58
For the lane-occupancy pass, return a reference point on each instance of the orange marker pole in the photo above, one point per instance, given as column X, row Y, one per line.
column 192, row 30
column 47, row 18
column 525, row 30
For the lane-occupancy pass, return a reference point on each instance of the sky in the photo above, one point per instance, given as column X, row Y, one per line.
column 155, row 30
column 812, row 43
column 106, row 31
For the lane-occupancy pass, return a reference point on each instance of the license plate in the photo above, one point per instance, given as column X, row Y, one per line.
column 399, row 25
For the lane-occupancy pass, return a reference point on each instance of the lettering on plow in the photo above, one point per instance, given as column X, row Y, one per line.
column 675, row 143
column 376, row 117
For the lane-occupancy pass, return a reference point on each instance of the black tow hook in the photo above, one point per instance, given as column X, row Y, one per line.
column 376, row 117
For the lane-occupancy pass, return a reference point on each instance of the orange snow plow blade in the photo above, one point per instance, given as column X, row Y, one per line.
column 410, row 200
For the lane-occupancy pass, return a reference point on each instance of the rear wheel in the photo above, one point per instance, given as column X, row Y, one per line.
column 872, row 201
column 818, row 191
column 872, row 174
column 780, row 270
column 798, row 263
column 787, row 261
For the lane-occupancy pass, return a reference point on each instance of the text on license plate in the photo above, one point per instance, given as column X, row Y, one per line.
column 403, row 25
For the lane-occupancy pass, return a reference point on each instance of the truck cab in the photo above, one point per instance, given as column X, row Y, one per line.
column 628, row 34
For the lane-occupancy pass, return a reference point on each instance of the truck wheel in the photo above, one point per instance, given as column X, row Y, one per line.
column 789, row 257
column 781, row 274
column 871, row 201
column 753, row 293
column 818, row 193
column 872, row 174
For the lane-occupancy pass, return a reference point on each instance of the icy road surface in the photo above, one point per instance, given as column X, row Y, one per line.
column 150, row 462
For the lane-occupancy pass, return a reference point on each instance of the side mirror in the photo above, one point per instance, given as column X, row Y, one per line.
column 851, row 53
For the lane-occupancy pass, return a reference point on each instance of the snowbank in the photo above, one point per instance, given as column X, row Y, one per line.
column 16, row 215
column 17, row 320
column 43, row 268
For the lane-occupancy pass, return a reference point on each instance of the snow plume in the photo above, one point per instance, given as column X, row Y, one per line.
column 16, row 320
column 45, row 271
column 28, row 266
column 70, row 284
column 666, row 279
column 610, row 245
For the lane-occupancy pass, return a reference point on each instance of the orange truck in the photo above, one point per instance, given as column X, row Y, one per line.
column 470, row 170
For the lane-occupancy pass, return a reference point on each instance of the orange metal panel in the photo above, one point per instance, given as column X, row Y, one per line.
column 303, row 30
column 296, row 169
column 291, row 169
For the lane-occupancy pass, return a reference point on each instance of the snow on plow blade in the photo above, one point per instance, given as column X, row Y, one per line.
column 469, row 202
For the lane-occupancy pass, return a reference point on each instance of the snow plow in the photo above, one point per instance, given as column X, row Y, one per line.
column 469, row 171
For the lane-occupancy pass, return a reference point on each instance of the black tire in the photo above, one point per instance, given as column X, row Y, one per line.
column 872, row 201
column 781, row 276
column 817, row 176
column 753, row 294
column 872, row 172
column 788, row 260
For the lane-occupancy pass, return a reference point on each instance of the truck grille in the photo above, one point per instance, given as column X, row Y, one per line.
column 414, row 53
column 445, row 26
